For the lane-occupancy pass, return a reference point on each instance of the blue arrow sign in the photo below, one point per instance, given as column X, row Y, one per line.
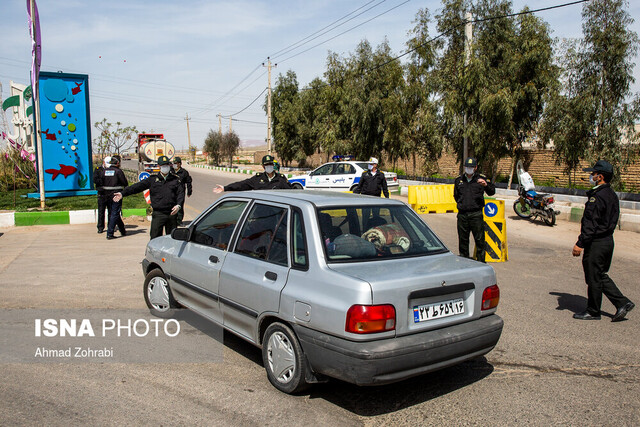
column 143, row 175
column 490, row 209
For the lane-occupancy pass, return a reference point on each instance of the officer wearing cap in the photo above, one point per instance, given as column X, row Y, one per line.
column 269, row 180
column 372, row 182
column 468, row 192
column 167, row 196
column 598, row 223
column 112, row 180
column 186, row 182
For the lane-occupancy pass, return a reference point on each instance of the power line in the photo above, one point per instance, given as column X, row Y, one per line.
column 346, row 31
column 257, row 97
column 288, row 49
column 444, row 33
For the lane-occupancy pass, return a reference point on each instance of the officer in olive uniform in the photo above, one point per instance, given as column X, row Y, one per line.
column 167, row 196
column 269, row 180
column 373, row 181
column 468, row 192
column 112, row 180
column 186, row 182
column 598, row 223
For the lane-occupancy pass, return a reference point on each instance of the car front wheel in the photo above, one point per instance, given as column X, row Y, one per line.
column 157, row 294
column 284, row 359
column 297, row 186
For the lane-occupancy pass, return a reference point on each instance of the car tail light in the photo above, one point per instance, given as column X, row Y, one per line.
column 369, row 319
column 490, row 297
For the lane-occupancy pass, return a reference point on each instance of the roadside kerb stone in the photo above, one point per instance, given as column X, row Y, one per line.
column 85, row 216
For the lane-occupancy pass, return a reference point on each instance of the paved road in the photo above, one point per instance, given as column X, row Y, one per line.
column 547, row 367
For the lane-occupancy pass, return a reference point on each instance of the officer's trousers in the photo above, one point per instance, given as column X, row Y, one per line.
column 471, row 222
column 102, row 207
column 596, row 262
column 160, row 221
column 115, row 219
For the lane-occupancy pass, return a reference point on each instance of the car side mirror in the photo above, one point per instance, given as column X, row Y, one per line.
column 181, row 233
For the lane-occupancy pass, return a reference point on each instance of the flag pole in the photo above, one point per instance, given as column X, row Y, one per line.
column 35, row 84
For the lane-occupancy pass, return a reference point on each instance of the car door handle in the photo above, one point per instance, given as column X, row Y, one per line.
column 213, row 259
column 271, row 275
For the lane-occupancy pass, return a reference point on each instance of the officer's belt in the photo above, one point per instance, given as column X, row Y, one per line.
column 113, row 188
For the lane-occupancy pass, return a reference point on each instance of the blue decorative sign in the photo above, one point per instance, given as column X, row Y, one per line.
column 143, row 176
column 65, row 127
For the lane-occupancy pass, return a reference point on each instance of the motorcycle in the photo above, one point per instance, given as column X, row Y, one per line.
column 530, row 203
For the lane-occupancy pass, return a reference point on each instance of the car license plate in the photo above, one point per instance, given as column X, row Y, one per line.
column 438, row 310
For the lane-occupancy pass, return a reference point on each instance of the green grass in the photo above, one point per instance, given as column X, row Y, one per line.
column 23, row 204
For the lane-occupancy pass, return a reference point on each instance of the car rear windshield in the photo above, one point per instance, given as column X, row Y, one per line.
column 375, row 232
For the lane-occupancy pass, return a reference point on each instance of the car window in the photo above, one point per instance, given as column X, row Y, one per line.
column 363, row 165
column 375, row 232
column 324, row 169
column 344, row 169
column 264, row 234
column 216, row 227
column 299, row 241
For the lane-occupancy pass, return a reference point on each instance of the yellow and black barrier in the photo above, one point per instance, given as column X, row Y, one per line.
column 432, row 198
column 495, row 231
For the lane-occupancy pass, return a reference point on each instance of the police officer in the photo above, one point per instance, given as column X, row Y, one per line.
column 372, row 182
column 167, row 196
column 114, row 181
column 102, row 200
column 468, row 192
column 186, row 182
column 269, row 180
column 598, row 223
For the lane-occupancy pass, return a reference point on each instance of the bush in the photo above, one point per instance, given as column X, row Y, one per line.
column 25, row 174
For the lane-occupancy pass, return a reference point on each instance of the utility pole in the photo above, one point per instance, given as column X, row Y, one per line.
column 230, row 121
column 220, row 124
column 468, row 38
column 35, row 87
column 192, row 154
column 269, row 103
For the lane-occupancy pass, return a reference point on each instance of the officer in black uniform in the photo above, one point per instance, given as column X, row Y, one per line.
column 186, row 182
column 468, row 192
column 269, row 180
column 598, row 223
column 114, row 181
column 102, row 200
column 167, row 195
column 372, row 182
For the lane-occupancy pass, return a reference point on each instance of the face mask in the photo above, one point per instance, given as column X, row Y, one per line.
column 370, row 167
column 592, row 180
column 268, row 168
column 165, row 169
column 176, row 167
column 468, row 171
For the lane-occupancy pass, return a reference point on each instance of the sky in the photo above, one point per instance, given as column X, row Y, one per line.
column 153, row 62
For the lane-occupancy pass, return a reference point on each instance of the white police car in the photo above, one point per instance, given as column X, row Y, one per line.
column 338, row 176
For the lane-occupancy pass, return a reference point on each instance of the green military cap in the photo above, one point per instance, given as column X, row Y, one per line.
column 601, row 166
column 177, row 160
column 163, row 160
column 471, row 162
column 268, row 160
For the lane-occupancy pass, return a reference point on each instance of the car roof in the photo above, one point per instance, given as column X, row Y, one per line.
column 317, row 197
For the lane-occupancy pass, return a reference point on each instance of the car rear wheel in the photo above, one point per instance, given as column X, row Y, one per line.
column 284, row 359
column 157, row 294
column 353, row 187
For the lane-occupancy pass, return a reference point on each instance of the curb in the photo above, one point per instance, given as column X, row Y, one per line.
column 232, row 170
column 87, row 216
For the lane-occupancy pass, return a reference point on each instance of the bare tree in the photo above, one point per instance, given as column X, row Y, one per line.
column 229, row 146
column 114, row 138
